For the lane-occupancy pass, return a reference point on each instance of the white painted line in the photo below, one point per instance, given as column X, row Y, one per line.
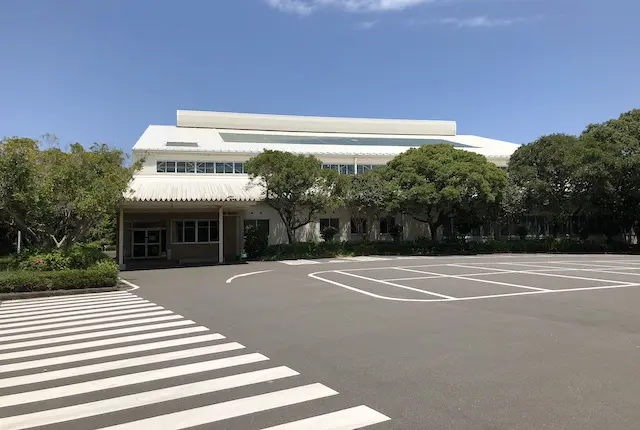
column 229, row 409
column 131, row 284
column 35, row 378
column 484, row 281
column 34, row 312
column 91, row 409
column 73, row 313
column 65, row 359
column 63, row 299
column 246, row 274
column 106, row 333
column 366, row 258
column 103, row 342
column 87, row 301
column 346, row 419
column 298, row 262
column 394, row 285
column 460, row 299
column 52, row 334
column 556, row 275
column 128, row 379
column 83, row 322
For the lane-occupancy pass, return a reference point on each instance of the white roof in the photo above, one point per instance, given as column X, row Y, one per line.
column 156, row 137
column 314, row 124
column 181, row 188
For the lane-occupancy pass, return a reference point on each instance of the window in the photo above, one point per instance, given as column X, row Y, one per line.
column 200, row 167
column 195, row 231
column 386, row 223
column 329, row 222
column 358, row 225
column 343, row 169
column 364, row 167
column 261, row 225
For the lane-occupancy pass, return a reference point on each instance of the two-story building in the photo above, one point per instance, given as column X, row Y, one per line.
column 192, row 198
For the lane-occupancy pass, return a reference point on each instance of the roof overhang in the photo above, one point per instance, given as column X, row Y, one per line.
column 313, row 124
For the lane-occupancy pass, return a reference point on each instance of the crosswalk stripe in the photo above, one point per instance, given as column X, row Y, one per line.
column 61, row 299
column 346, row 419
column 105, row 333
column 75, row 313
column 65, row 359
column 44, row 307
column 128, row 379
column 118, row 364
column 103, row 342
column 54, row 333
column 85, row 410
column 229, row 409
column 82, row 322
column 55, row 309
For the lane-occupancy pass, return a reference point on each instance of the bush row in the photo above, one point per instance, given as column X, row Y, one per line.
column 101, row 274
column 445, row 247
column 78, row 256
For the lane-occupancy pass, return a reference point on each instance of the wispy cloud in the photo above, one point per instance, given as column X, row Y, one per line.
column 306, row 7
column 484, row 21
column 366, row 25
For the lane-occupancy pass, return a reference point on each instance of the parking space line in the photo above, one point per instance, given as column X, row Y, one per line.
column 556, row 275
column 477, row 280
column 394, row 284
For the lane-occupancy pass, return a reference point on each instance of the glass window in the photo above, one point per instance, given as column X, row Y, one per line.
column 238, row 168
column 210, row 167
column 203, row 231
column 171, row 166
column 214, row 234
column 181, row 167
column 343, row 169
column 161, row 167
column 386, row 224
column 326, row 166
column 358, row 225
column 219, row 167
column 261, row 225
column 191, row 167
column 189, row 231
column 351, row 169
column 200, row 167
column 228, row 167
column 335, row 167
column 329, row 222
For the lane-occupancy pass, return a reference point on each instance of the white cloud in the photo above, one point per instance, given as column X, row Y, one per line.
column 482, row 21
column 366, row 25
column 306, row 7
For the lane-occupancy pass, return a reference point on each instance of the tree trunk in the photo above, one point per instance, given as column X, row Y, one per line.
column 433, row 230
column 291, row 234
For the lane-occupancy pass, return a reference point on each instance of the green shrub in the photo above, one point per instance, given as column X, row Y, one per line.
column 101, row 274
column 78, row 256
column 328, row 233
column 255, row 242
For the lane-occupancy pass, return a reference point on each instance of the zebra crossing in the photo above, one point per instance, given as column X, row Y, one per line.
column 362, row 258
column 117, row 361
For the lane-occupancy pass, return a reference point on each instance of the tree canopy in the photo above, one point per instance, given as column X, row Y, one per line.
column 435, row 182
column 295, row 186
column 59, row 197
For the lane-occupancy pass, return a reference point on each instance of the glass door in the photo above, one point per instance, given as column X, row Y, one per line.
column 147, row 243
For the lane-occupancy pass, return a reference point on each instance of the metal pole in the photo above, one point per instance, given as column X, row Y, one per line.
column 19, row 241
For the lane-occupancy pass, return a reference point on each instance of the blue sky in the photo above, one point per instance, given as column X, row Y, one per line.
column 91, row 70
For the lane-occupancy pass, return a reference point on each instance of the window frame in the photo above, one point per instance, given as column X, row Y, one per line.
column 329, row 224
column 210, row 222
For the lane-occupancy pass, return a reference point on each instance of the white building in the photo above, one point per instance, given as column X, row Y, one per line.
column 191, row 199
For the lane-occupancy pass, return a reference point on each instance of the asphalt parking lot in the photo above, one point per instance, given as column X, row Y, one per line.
column 490, row 342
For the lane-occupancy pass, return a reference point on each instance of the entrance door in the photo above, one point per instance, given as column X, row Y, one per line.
column 230, row 237
column 147, row 243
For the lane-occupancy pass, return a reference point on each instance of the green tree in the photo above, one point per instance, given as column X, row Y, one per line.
column 366, row 196
column 435, row 182
column 545, row 170
column 58, row 197
column 611, row 170
column 295, row 186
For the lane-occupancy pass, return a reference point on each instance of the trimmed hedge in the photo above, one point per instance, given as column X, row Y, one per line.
column 445, row 247
column 101, row 274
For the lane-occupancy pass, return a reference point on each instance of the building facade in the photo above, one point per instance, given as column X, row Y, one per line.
column 192, row 199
